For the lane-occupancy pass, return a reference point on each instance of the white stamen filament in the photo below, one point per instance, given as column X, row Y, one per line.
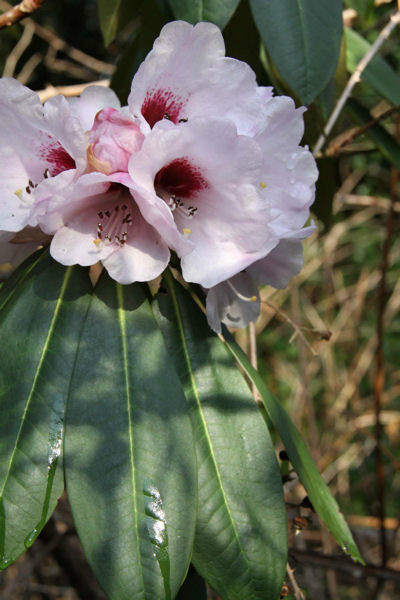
column 239, row 295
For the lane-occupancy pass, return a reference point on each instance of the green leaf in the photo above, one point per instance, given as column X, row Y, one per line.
column 152, row 20
column 129, row 455
column 386, row 143
column 114, row 15
column 303, row 39
column 240, row 544
column 378, row 73
column 317, row 490
column 41, row 315
column 214, row 11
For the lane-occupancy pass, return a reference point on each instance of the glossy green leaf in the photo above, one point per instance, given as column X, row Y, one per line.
column 303, row 39
column 214, row 11
column 240, row 543
column 378, row 73
column 129, row 454
column 114, row 15
column 151, row 21
column 386, row 143
column 42, row 311
column 317, row 490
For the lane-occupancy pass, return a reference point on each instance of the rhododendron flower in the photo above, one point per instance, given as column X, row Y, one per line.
column 198, row 185
column 38, row 143
column 202, row 162
column 98, row 220
column 236, row 302
column 187, row 75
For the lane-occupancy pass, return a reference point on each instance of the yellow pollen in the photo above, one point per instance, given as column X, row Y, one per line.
column 263, row 185
column 186, row 231
column 97, row 241
column 253, row 299
column 18, row 193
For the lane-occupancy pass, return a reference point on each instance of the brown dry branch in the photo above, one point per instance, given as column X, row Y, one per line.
column 16, row 13
column 355, row 78
column 344, row 139
column 60, row 45
column 343, row 564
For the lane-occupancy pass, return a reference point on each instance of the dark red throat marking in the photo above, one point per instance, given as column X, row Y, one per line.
column 180, row 179
column 58, row 158
column 161, row 104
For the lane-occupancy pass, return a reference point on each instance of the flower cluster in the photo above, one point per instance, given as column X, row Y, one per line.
column 202, row 162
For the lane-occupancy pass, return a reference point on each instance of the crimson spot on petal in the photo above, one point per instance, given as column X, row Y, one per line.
column 56, row 156
column 180, row 178
column 161, row 103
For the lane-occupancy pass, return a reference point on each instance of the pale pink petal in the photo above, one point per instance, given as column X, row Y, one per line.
column 235, row 302
column 187, row 75
column 67, row 147
column 283, row 262
column 142, row 258
column 93, row 99
column 215, row 173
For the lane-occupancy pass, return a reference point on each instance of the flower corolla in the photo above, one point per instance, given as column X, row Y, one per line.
column 202, row 162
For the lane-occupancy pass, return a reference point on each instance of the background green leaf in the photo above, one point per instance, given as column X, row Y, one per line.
column 215, row 11
column 114, row 15
column 303, row 39
column 317, row 490
column 240, row 543
column 378, row 73
column 129, row 455
column 43, row 308
column 152, row 18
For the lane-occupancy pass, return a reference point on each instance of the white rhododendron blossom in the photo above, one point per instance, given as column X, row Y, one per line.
column 202, row 162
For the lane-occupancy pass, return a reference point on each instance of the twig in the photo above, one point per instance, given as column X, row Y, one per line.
column 60, row 45
column 298, row 594
column 343, row 140
column 18, row 50
column 355, row 78
column 25, row 74
column 69, row 90
column 343, row 564
column 18, row 12
column 297, row 329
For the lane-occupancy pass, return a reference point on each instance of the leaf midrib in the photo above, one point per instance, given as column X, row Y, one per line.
column 197, row 398
column 122, row 324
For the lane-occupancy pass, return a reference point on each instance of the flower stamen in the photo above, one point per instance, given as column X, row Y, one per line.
column 113, row 225
column 239, row 295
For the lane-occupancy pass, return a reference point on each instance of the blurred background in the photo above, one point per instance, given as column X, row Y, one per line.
column 328, row 345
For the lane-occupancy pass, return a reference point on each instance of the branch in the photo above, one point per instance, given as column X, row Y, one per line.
column 355, row 78
column 18, row 12
column 337, row 145
column 343, row 564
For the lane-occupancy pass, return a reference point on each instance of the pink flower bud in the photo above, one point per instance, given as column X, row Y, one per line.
column 113, row 139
